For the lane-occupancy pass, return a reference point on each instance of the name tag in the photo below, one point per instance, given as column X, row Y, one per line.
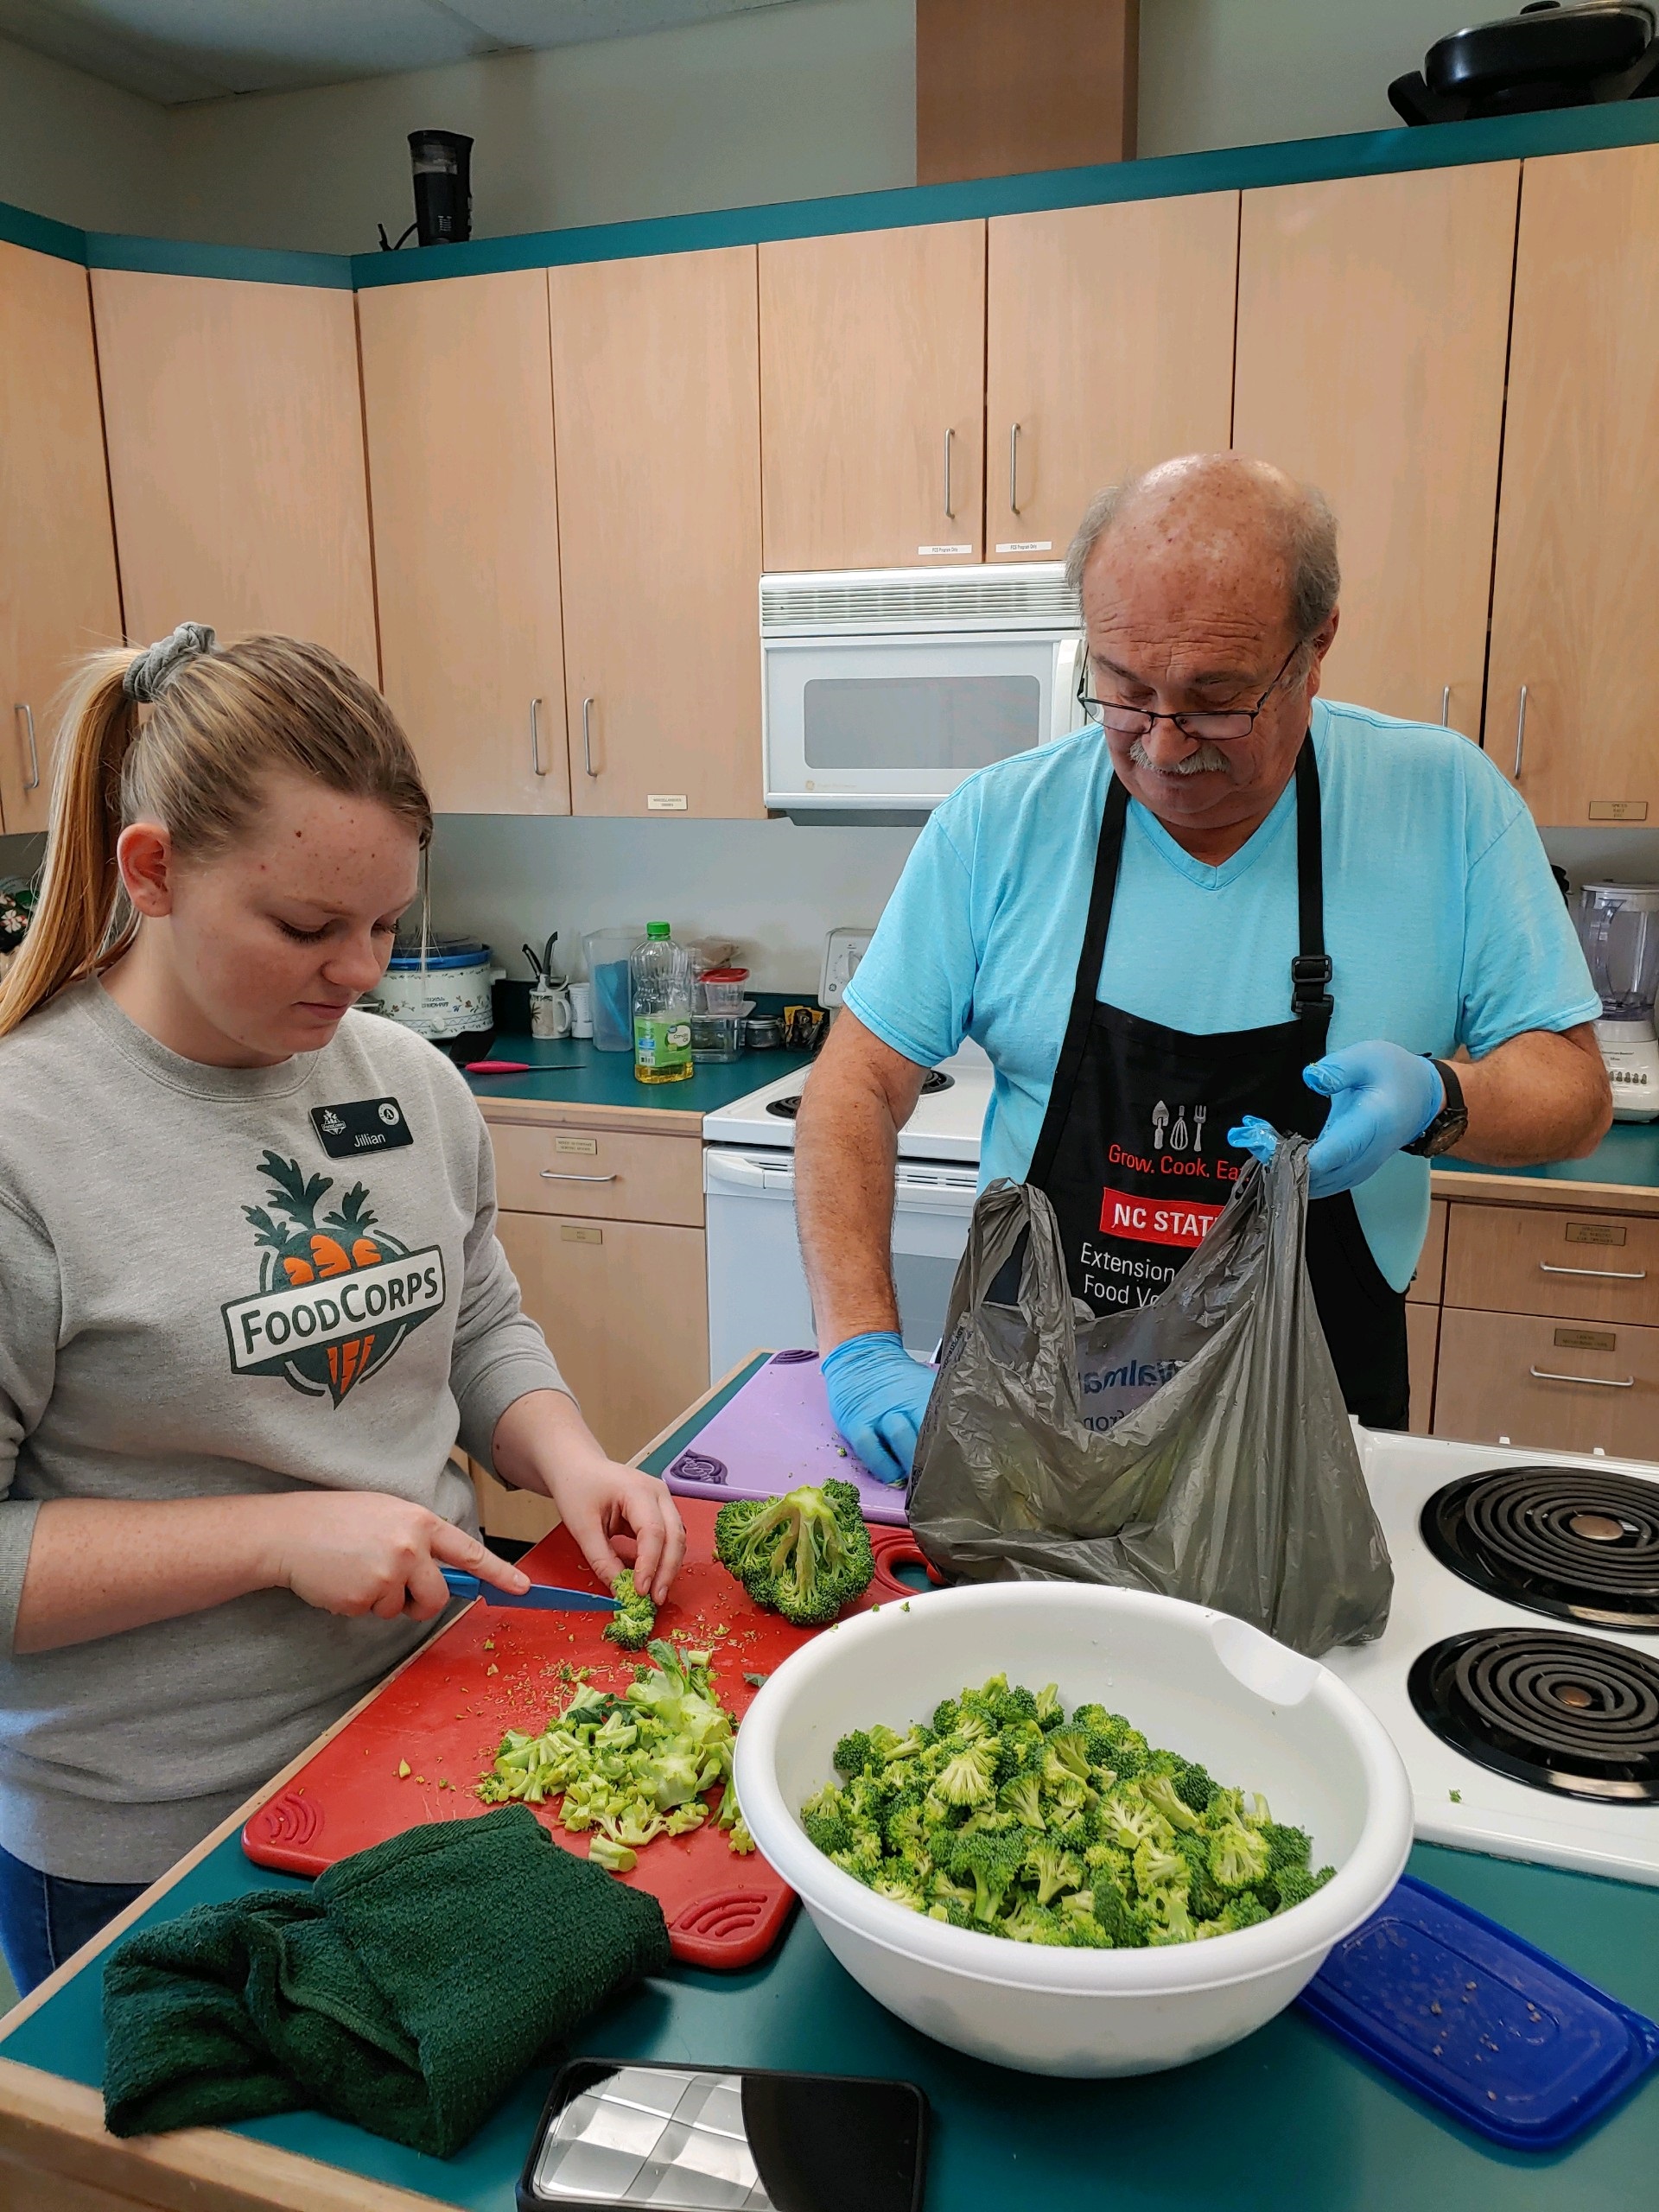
column 360, row 1125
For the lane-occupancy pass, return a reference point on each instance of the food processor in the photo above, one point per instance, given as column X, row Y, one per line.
column 1618, row 927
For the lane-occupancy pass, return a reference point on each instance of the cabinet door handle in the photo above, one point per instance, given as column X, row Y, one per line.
column 1014, row 469
column 587, row 737
column 1601, row 1275
column 535, row 738
column 554, row 1175
column 1445, row 706
column 1596, row 1381
column 949, row 511
column 23, row 708
column 1520, row 732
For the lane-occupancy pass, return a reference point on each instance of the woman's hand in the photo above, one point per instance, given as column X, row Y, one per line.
column 542, row 1443
column 355, row 1551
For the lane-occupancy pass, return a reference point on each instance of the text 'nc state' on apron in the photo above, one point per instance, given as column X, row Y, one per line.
column 1133, row 1152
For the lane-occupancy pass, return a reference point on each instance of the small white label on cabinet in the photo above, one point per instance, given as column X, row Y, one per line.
column 927, row 552
column 1027, row 545
column 665, row 803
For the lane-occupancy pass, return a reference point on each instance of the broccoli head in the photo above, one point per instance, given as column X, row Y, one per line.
column 806, row 1555
column 1238, row 1855
column 991, row 1861
column 634, row 1625
column 1295, row 1885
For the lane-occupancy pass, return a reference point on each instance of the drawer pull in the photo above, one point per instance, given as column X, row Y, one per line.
column 557, row 1175
column 1596, row 1381
column 1600, row 1274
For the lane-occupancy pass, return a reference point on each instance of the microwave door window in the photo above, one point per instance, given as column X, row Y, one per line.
column 948, row 724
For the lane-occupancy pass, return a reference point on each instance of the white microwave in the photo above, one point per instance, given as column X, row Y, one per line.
column 883, row 688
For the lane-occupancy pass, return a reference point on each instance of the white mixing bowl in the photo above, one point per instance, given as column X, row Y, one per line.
column 1257, row 1715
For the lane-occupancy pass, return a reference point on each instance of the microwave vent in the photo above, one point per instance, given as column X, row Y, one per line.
column 1029, row 596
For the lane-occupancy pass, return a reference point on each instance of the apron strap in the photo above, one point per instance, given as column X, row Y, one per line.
column 1109, row 854
column 1310, row 970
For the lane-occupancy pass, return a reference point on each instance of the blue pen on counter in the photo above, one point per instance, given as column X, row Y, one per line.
column 542, row 1596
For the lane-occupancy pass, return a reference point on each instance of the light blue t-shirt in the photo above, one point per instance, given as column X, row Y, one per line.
column 1444, row 925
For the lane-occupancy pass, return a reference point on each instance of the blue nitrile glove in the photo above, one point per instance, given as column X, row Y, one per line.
column 877, row 1394
column 1381, row 1096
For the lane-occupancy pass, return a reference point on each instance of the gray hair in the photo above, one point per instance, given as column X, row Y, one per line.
column 1310, row 550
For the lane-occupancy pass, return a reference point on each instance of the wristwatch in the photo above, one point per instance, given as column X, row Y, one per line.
column 1448, row 1125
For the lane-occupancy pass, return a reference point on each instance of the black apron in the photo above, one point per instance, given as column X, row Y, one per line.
column 1133, row 1153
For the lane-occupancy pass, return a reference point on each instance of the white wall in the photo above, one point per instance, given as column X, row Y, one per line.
column 776, row 888
column 76, row 149
column 782, row 103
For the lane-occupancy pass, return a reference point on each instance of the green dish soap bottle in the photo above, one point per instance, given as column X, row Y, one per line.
column 660, row 974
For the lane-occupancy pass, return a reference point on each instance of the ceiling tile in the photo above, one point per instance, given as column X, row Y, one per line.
column 575, row 22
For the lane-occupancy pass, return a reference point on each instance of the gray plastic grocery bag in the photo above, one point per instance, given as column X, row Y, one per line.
column 1198, row 1446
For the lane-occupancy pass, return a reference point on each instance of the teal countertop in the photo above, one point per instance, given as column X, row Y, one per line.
column 567, row 1071
column 1629, row 1154
column 1287, row 2117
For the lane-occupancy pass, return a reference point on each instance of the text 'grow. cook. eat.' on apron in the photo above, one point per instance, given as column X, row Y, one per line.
column 1133, row 1152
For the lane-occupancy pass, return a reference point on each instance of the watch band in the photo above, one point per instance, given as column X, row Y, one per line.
column 1449, row 1124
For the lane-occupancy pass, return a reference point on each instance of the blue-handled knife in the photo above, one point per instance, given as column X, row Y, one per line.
column 543, row 1597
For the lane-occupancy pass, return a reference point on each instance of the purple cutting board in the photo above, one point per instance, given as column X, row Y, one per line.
column 774, row 1434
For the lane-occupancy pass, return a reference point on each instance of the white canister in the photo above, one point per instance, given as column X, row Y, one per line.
column 581, row 1009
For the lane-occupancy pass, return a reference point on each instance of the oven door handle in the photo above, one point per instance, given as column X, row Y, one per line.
column 736, row 1171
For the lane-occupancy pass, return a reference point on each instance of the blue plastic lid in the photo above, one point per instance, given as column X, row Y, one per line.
column 446, row 953
column 1500, row 2035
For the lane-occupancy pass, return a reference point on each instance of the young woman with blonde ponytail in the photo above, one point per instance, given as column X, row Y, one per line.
column 251, row 1293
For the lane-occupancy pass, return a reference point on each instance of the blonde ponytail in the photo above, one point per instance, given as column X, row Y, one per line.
column 216, row 726
column 75, row 927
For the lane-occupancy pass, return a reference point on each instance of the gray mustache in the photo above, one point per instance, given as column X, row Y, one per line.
column 1206, row 761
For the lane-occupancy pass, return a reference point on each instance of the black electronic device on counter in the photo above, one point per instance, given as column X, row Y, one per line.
column 442, row 165
column 617, row 2132
column 1581, row 54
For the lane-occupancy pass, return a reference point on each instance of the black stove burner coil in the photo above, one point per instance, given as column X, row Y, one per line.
column 933, row 1082
column 1520, row 1533
column 1568, row 1714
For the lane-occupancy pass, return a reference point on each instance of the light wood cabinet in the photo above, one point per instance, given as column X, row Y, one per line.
column 1424, row 1288
column 1587, row 1267
column 608, row 1174
column 457, row 408
column 1422, row 1346
column 1108, row 347
column 1564, row 1386
column 872, row 397
column 1373, row 317
column 657, row 423
column 57, row 550
column 624, row 1306
column 235, row 433
column 1578, row 542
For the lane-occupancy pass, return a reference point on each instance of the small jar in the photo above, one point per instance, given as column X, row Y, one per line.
column 763, row 1033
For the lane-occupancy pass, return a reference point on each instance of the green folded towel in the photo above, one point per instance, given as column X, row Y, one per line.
column 407, row 1991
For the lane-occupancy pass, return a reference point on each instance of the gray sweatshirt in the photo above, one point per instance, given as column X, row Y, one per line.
column 217, row 1282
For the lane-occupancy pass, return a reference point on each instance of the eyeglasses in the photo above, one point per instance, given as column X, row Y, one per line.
column 1224, row 728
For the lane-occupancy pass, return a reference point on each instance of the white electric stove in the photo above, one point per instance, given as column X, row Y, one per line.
column 1521, row 1688
column 757, row 1289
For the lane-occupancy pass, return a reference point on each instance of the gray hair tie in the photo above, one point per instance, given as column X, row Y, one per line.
column 147, row 675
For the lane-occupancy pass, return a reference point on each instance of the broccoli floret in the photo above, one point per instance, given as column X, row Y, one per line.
column 636, row 1624
column 1052, row 1869
column 966, row 1776
column 1023, row 1797
column 1238, row 1856
column 1050, row 1712
column 1033, row 1921
column 1161, row 1793
column 615, row 1857
column 990, row 1861
column 1204, row 1893
column 1243, row 1911
column 852, row 1753
column 1286, row 1847
column 1194, row 1788
column 1123, row 1923
column 1295, row 1885
column 806, row 1555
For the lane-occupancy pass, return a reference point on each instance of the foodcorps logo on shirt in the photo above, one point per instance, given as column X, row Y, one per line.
column 337, row 1295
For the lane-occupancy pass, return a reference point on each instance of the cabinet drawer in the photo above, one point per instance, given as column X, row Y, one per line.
column 1561, row 1386
column 611, row 1177
column 1422, row 1338
column 1588, row 1267
column 1424, row 1288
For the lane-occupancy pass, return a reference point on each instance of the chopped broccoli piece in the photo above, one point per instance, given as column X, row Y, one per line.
column 998, row 1815
column 806, row 1555
column 636, row 1624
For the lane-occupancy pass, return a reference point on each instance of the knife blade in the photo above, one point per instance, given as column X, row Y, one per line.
column 542, row 1596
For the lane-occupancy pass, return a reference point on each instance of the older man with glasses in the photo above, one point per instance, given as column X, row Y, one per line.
column 1225, row 906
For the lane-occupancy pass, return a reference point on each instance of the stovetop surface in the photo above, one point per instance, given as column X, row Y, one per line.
column 946, row 1125
column 1459, row 1801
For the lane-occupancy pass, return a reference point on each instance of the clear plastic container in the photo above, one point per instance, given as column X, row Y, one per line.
column 662, row 1008
column 719, row 1038
column 722, row 990
column 607, row 954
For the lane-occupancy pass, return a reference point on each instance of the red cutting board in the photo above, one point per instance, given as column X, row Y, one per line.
column 498, row 1668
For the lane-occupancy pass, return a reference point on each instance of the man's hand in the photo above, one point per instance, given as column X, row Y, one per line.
column 877, row 1394
column 1381, row 1096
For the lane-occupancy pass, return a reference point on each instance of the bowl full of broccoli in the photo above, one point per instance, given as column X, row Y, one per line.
column 1128, row 1846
